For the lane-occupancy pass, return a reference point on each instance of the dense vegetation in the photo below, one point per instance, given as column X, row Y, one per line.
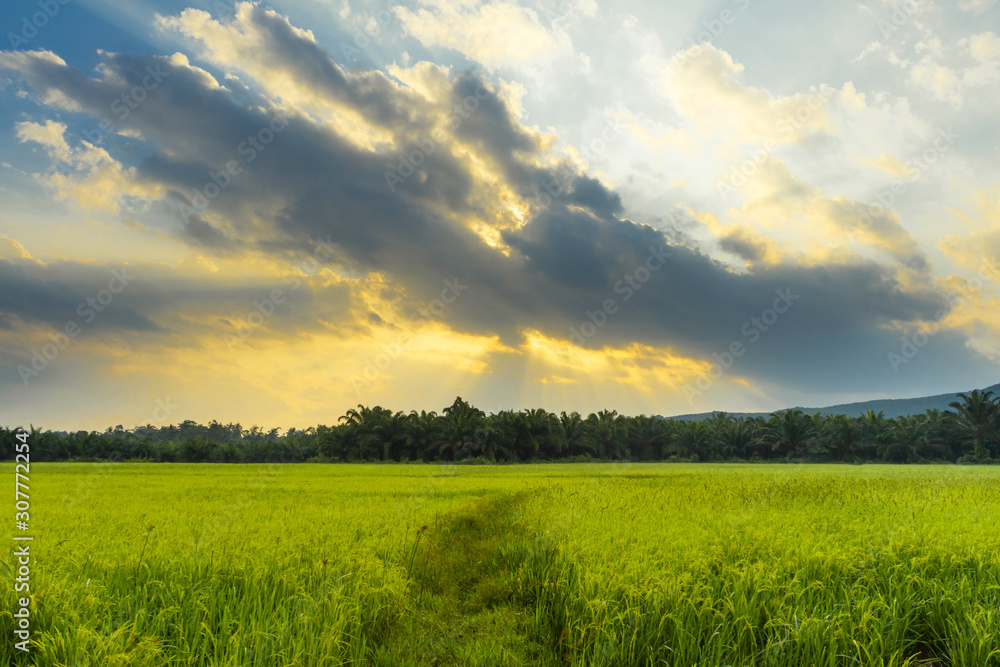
column 969, row 433
column 610, row 565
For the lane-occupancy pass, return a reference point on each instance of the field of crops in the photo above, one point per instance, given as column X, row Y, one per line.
column 551, row 564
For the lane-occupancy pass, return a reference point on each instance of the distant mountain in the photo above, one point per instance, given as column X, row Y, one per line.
column 892, row 407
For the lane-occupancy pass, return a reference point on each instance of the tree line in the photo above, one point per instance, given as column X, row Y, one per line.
column 969, row 432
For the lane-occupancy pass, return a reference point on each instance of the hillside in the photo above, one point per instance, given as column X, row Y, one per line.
column 892, row 407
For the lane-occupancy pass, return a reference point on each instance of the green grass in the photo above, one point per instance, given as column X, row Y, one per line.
column 556, row 564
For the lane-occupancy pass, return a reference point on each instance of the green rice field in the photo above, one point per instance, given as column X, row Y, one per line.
column 550, row 564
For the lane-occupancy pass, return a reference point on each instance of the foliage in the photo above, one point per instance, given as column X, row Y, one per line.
column 969, row 433
column 148, row 565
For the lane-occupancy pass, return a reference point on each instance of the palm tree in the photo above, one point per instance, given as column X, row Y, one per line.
column 366, row 417
column 876, row 431
column 717, row 423
column 460, row 423
column 391, row 430
column 551, row 442
column 788, row 432
column 349, row 442
column 607, row 429
column 576, row 434
column 842, row 434
column 646, row 437
column 977, row 421
column 911, row 439
column 692, row 439
column 496, row 436
column 535, row 433
column 425, row 431
column 739, row 438
column 363, row 425
column 939, row 432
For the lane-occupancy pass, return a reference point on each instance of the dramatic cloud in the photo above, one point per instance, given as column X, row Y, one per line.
column 353, row 207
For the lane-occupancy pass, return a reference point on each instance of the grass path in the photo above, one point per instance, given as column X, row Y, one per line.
column 477, row 575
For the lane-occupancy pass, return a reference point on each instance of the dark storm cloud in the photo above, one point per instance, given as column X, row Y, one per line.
column 691, row 300
column 87, row 296
column 741, row 247
column 591, row 193
column 156, row 299
column 491, row 123
column 563, row 263
column 369, row 92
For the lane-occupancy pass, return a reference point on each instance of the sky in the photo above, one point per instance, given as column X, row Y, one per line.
column 269, row 213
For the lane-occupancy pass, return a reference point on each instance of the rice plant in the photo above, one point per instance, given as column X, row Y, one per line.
column 557, row 564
